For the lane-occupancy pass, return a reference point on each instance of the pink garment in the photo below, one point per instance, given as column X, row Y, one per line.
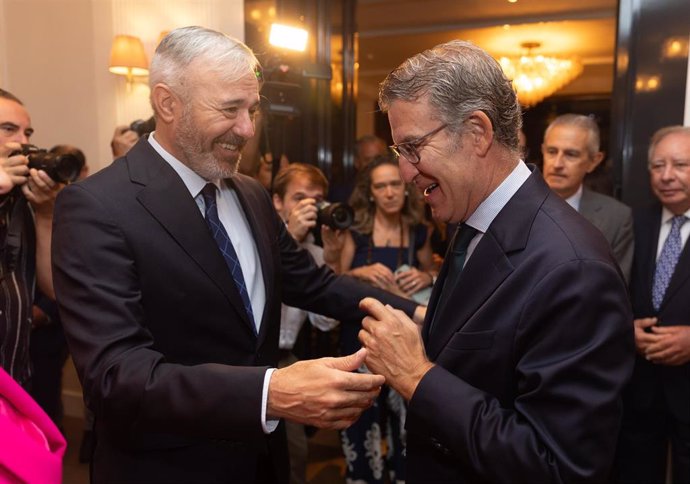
column 31, row 446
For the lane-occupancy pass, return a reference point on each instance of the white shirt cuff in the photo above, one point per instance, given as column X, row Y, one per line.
column 267, row 425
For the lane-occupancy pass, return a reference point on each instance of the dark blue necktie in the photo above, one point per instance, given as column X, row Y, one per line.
column 225, row 246
column 456, row 259
column 666, row 264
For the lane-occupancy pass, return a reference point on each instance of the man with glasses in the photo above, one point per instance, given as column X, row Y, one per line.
column 517, row 373
column 571, row 151
column 657, row 401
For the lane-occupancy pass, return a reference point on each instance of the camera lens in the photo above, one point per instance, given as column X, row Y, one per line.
column 67, row 168
column 337, row 216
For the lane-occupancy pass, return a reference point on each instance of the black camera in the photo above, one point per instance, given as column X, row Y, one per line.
column 143, row 126
column 337, row 215
column 63, row 168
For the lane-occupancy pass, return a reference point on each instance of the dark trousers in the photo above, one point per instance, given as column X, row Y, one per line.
column 642, row 453
column 48, row 351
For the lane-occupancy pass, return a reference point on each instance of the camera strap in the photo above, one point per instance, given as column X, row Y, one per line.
column 13, row 239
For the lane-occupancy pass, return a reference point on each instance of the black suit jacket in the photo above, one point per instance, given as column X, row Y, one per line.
column 531, row 354
column 650, row 380
column 164, row 349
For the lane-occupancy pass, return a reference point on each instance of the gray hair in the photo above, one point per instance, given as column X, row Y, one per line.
column 583, row 122
column 223, row 54
column 458, row 78
column 662, row 133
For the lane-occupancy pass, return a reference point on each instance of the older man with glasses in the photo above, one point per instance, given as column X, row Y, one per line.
column 517, row 373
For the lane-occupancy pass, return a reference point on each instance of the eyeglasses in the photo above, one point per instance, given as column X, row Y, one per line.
column 410, row 149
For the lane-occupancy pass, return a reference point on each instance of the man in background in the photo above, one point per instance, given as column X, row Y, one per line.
column 657, row 400
column 367, row 148
column 26, row 211
column 571, row 151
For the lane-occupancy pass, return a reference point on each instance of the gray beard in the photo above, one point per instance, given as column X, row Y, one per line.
column 203, row 164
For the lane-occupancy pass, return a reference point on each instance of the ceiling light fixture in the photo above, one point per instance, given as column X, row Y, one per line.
column 536, row 77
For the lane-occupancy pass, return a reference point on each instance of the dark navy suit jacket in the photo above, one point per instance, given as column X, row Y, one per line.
column 165, row 351
column 532, row 353
column 650, row 379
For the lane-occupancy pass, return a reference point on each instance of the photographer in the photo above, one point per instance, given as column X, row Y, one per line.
column 126, row 136
column 26, row 211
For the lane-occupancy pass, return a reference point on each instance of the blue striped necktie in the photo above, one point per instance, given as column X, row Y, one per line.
column 225, row 245
column 666, row 264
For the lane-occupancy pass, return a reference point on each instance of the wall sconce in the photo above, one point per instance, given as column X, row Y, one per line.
column 127, row 58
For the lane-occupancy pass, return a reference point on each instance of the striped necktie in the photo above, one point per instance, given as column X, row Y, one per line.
column 226, row 248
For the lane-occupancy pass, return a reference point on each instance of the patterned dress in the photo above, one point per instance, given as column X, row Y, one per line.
column 363, row 442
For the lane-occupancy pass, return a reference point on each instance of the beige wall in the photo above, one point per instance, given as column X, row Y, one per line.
column 54, row 56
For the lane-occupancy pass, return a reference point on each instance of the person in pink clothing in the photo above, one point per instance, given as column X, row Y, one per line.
column 31, row 448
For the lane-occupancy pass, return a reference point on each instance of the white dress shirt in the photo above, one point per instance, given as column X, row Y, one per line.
column 235, row 222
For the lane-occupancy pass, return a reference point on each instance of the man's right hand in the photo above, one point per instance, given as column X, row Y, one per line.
column 16, row 167
column 644, row 338
column 324, row 392
column 302, row 219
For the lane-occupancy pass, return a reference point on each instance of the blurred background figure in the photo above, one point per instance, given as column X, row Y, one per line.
column 388, row 247
column 123, row 139
column 656, row 404
column 571, row 151
column 522, row 145
column 368, row 147
column 26, row 218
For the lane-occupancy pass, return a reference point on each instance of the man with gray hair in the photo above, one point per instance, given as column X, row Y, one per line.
column 656, row 404
column 571, row 151
column 518, row 370
column 171, row 269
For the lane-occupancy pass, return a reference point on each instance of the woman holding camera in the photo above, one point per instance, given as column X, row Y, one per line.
column 389, row 247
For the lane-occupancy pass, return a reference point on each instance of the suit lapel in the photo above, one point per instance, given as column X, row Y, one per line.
column 167, row 199
column 485, row 270
column 648, row 252
column 488, row 266
column 589, row 207
column 435, row 294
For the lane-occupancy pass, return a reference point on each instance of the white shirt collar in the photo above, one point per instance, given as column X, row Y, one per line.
column 487, row 211
column 575, row 198
column 667, row 215
column 190, row 178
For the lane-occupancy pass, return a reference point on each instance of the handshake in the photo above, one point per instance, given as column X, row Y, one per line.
column 326, row 393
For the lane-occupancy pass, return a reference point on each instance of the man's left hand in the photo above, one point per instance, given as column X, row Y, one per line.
column 41, row 191
column 394, row 346
column 672, row 347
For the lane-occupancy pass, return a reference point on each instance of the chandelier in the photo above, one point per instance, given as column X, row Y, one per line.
column 537, row 76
